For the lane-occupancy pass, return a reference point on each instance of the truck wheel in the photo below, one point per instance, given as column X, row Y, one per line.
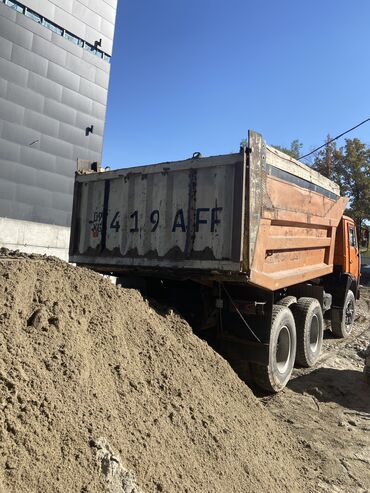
column 287, row 301
column 310, row 330
column 342, row 320
column 282, row 349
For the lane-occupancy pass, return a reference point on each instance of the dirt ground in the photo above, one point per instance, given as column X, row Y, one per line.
column 102, row 393
column 328, row 406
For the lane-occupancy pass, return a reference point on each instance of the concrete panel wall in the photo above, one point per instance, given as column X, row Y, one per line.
column 51, row 90
column 31, row 237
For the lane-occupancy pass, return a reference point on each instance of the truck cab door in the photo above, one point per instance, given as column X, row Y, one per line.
column 352, row 250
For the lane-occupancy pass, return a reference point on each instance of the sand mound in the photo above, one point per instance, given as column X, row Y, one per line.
column 100, row 393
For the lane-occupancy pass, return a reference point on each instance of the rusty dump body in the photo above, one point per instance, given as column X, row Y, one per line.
column 257, row 217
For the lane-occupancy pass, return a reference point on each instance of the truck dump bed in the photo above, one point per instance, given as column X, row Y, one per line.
column 257, row 216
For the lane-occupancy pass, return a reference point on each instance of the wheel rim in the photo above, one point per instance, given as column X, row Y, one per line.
column 350, row 310
column 283, row 350
column 314, row 333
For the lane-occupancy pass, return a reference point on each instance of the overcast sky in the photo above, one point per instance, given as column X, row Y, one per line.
column 195, row 75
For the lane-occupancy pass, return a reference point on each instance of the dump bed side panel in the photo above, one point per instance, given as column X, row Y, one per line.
column 295, row 220
column 177, row 215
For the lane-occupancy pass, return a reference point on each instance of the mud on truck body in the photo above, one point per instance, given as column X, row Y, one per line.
column 252, row 248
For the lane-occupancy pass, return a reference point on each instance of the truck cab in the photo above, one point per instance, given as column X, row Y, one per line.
column 346, row 254
column 346, row 278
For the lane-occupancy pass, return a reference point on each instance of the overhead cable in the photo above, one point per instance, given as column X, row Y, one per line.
column 335, row 138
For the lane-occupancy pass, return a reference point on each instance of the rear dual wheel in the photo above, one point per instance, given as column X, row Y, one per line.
column 296, row 336
column 282, row 351
column 310, row 330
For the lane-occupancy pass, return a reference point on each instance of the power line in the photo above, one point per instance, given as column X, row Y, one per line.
column 335, row 138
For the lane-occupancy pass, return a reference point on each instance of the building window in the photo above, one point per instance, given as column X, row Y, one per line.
column 32, row 15
column 77, row 41
column 14, row 5
column 90, row 47
column 52, row 27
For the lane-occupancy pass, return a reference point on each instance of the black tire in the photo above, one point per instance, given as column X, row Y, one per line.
column 310, row 330
column 342, row 319
column 282, row 349
column 287, row 301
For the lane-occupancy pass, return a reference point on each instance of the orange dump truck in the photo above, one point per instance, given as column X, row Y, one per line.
column 252, row 248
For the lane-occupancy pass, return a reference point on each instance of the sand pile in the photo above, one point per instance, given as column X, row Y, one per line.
column 100, row 393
